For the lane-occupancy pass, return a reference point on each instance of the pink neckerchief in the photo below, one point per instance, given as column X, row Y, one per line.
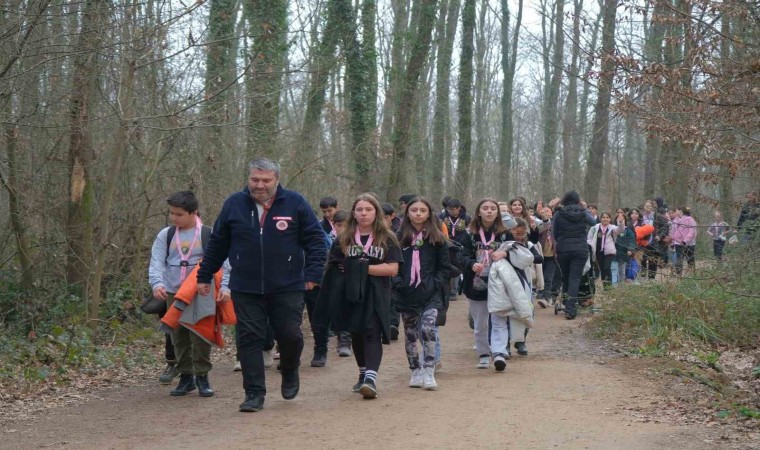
column 487, row 245
column 332, row 227
column 266, row 207
column 365, row 247
column 185, row 257
column 603, row 229
column 416, row 261
column 454, row 225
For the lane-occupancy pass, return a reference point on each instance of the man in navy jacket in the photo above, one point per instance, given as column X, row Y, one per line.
column 277, row 249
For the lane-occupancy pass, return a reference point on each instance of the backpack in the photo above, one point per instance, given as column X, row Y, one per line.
column 152, row 305
column 205, row 237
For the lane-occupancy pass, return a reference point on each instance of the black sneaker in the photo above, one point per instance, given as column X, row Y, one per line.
column 394, row 333
column 569, row 316
column 499, row 362
column 252, row 403
column 368, row 389
column 320, row 358
column 204, row 387
column 168, row 374
column 186, row 384
column 358, row 384
column 522, row 350
column 290, row 384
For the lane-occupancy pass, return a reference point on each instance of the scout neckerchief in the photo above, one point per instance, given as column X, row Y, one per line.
column 416, row 244
column 358, row 240
column 487, row 245
column 185, row 257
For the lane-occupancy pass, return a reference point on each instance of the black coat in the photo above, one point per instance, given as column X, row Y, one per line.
column 468, row 256
column 349, row 300
column 570, row 226
column 431, row 292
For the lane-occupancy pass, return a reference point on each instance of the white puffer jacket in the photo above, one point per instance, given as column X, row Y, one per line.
column 507, row 295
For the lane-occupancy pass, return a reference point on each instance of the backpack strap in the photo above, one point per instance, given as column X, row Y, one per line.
column 169, row 236
column 205, row 238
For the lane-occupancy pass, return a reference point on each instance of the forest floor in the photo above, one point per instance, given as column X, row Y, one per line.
column 570, row 392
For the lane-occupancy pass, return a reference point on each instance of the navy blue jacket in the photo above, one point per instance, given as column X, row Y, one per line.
column 281, row 256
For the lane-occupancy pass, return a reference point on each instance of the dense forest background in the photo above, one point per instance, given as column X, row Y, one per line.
column 108, row 107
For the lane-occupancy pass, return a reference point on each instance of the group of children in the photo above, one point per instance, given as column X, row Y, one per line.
column 384, row 270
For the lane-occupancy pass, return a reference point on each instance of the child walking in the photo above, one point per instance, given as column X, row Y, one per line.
column 356, row 288
column 421, row 287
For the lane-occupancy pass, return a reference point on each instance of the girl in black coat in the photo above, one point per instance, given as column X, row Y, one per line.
column 421, row 287
column 357, row 286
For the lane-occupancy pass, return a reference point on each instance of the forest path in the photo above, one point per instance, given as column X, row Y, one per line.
column 568, row 393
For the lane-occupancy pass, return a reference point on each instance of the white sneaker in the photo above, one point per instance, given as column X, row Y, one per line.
column 417, row 380
column 428, row 378
column 484, row 362
column 268, row 358
column 237, row 367
column 500, row 363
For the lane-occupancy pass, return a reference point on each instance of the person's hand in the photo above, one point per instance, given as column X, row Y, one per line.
column 630, row 253
column 583, row 204
column 498, row 254
column 204, row 288
column 310, row 285
column 477, row 268
column 223, row 296
column 553, row 202
column 657, row 238
column 160, row 293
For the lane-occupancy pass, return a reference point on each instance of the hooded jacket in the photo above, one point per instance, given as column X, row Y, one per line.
column 569, row 227
column 508, row 292
column 280, row 255
column 683, row 230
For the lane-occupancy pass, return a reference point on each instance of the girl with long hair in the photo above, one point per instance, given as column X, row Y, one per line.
column 684, row 232
column 518, row 208
column 601, row 237
column 421, row 287
column 487, row 233
column 366, row 255
column 718, row 232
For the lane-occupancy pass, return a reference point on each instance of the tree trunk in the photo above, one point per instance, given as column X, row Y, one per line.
column 396, row 70
column 569, row 120
column 508, row 67
column 267, row 21
column 653, row 55
column 81, row 207
column 580, row 138
column 465, row 101
column 599, row 137
column 442, row 145
column 726, row 177
column 551, row 105
column 414, row 68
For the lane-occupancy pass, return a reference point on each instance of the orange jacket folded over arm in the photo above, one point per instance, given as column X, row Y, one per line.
column 209, row 328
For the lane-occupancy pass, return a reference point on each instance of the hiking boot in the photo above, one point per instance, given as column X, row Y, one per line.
column 268, row 358
column 569, row 316
column 237, row 367
column 522, row 350
column 428, row 377
column 499, row 363
column 344, row 352
column 358, row 384
column 417, row 380
column 542, row 303
column 290, row 384
column 168, row 374
column 394, row 333
column 252, row 403
column 484, row 362
column 368, row 389
column 319, row 359
column 186, row 384
column 204, row 388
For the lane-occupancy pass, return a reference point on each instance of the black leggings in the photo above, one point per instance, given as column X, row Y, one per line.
column 368, row 347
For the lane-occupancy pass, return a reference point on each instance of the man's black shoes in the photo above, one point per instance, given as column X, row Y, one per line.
column 252, row 403
column 320, row 358
column 290, row 384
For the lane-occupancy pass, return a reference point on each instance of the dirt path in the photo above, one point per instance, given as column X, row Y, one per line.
column 566, row 394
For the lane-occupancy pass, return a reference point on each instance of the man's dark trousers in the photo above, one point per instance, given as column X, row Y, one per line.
column 285, row 313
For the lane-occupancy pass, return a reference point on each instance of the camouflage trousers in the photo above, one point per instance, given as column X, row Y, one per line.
column 420, row 329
